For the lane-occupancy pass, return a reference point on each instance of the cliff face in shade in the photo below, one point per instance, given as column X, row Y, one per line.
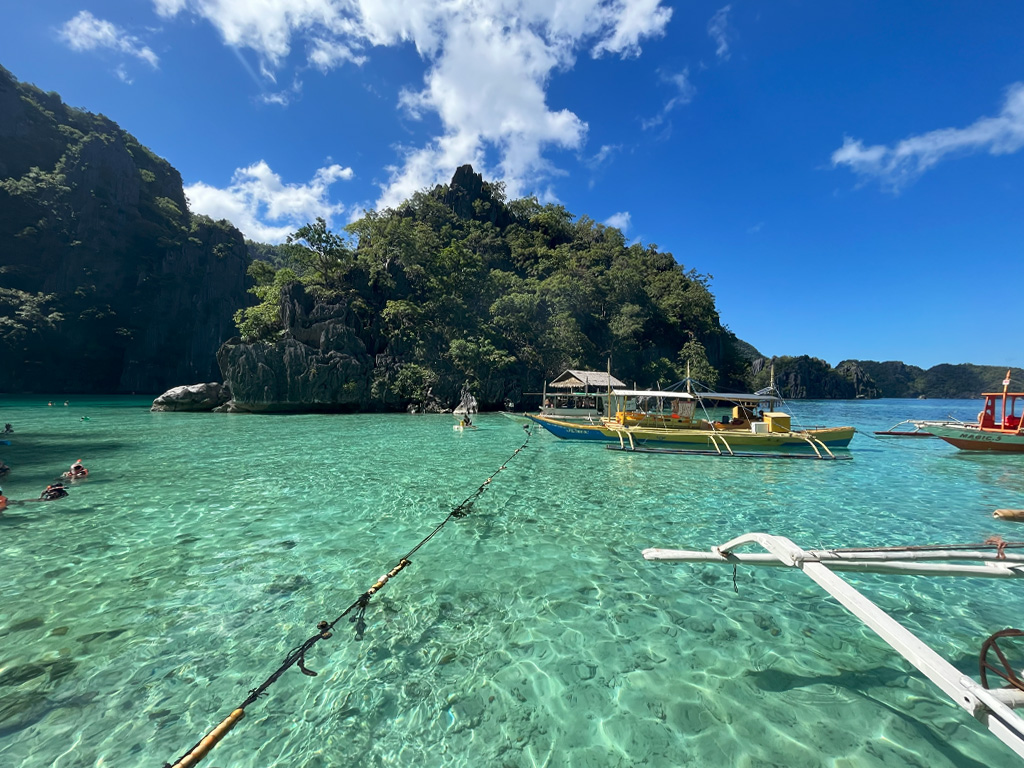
column 320, row 364
column 801, row 378
column 107, row 282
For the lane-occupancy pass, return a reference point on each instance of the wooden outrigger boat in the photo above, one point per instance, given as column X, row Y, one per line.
column 994, row 707
column 999, row 426
column 675, row 428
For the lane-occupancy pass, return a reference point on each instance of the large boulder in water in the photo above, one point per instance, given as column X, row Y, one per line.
column 319, row 364
column 194, row 397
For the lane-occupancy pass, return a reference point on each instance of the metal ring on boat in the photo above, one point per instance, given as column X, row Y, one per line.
column 1006, row 672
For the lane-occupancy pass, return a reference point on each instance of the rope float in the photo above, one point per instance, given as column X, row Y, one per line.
column 296, row 657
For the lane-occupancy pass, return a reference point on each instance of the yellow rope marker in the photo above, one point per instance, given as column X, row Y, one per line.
column 210, row 740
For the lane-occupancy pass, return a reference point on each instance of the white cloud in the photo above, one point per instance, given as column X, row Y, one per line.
column 896, row 166
column 327, row 54
column 604, row 155
column 281, row 98
column 263, row 207
column 620, row 221
column 684, row 93
column 87, row 33
column 488, row 65
column 630, row 21
column 718, row 30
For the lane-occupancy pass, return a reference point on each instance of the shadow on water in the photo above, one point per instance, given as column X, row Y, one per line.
column 43, row 458
column 856, row 681
column 860, row 682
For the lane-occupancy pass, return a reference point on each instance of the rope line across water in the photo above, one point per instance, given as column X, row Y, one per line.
column 296, row 656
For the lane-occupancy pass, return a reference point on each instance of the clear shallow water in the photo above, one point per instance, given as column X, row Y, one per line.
column 140, row 610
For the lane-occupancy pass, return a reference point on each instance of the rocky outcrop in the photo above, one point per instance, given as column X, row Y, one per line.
column 470, row 197
column 135, row 293
column 319, row 364
column 803, row 378
column 890, row 378
column 194, row 397
column 863, row 385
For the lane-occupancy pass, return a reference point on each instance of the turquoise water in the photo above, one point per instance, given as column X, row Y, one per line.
column 138, row 612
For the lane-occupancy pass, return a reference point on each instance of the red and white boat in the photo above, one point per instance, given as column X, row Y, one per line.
column 999, row 426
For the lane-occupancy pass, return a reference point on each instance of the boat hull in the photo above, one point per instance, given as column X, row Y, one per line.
column 681, row 437
column 570, row 430
column 833, row 437
column 968, row 437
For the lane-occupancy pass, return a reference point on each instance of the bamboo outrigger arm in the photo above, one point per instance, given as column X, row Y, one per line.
column 992, row 708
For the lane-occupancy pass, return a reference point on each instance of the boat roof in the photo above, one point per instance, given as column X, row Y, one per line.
column 736, row 397
column 652, row 393
column 571, row 378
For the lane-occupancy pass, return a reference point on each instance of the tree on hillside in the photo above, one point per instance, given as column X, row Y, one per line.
column 323, row 253
column 694, row 358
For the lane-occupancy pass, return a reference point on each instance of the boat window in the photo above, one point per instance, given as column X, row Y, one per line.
column 1013, row 413
column 684, row 409
column 988, row 416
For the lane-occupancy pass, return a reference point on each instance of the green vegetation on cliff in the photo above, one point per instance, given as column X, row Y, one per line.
column 107, row 282
column 458, row 284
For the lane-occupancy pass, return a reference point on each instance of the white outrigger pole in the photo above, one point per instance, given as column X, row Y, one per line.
column 994, row 708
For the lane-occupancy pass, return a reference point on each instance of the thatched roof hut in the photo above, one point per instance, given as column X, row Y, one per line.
column 585, row 381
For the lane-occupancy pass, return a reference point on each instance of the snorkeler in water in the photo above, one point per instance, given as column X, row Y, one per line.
column 77, row 471
column 53, row 492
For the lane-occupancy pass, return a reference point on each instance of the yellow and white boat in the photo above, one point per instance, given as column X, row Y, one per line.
column 748, row 430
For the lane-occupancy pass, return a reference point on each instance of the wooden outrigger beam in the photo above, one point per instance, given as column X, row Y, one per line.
column 917, row 431
column 722, row 454
column 993, row 708
column 713, row 439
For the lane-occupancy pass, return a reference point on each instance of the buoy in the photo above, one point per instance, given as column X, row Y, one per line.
column 1010, row 514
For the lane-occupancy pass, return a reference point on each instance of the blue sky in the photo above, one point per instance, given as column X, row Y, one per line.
column 850, row 173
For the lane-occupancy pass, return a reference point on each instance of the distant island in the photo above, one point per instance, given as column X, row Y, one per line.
column 109, row 284
column 808, row 377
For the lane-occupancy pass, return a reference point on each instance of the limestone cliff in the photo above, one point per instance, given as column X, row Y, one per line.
column 802, row 377
column 107, row 282
column 319, row 364
column 887, row 379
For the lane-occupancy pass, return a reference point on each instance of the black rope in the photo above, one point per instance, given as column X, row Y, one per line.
column 297, row 655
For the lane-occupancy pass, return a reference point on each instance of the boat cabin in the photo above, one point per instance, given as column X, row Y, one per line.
column 645, row 406
column 745, row 411
column 579, row 395
column 1002, row 411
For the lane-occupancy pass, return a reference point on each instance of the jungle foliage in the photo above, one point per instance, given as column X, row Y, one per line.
column 107, row 282
column 460, row 283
